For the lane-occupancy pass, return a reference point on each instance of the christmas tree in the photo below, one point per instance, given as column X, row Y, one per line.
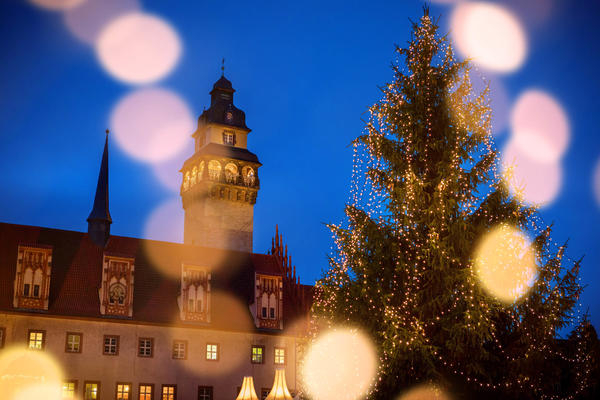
column 426, row 189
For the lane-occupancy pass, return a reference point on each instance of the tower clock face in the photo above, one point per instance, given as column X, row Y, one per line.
column 229, row 116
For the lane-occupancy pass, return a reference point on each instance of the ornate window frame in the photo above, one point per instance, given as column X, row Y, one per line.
column 117, row 276
column 195, row 299
column 32, row 278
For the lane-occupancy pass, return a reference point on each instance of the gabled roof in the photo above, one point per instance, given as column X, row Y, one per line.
column 76, row 277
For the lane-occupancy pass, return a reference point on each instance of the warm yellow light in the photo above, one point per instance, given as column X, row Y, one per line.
column 279, row 390
column 505, row 263
column 247, row 391
column 152, row 125
column 340, row 364
column 532, row 181
column 29, row 375
column 490, row 35
column 138, row 48
column 425, row 392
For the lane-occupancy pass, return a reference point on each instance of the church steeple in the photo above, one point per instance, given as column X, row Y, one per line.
column 99, row 219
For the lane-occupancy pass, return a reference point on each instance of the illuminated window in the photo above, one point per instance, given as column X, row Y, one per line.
column 2, row 336
column 36, row 339
column 257, row 356
column 264, row 392
column 279, row 355
column 111, row 345
column 169, row 392
column 214, row 170
column 123, row 391
column 212, row 351
column 179, row 349
column 73, row 342
column 145, row 347
column 186, row 181
column 146, row 391
column 68, row 390
column 91, row 391
column 229, row 138
column 205, row 392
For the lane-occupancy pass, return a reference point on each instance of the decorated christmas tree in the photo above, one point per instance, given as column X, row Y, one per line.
column 413, row 266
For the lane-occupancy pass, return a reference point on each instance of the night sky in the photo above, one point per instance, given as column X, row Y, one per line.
column 305, row 73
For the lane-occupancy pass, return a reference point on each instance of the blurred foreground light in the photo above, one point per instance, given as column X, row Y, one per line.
column 596, row 182
column 29, row 375
column 57, row 4
column 340, row 364
column 87, row 20
column 425, row 392
column 138, row 48
column 505, row 263
column 279, row 391
column 247, row 391
column 167, row 172
column 165, row 223
column 152, row 124
column 540, row 127
column 533, row 182
column 490, row 35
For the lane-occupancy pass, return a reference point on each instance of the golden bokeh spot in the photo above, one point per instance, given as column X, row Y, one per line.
column 340, row 364
column 29, row 375
column 425, row 392
column 505, row 263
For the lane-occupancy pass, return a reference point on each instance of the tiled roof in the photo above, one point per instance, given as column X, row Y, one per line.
column 76, row 277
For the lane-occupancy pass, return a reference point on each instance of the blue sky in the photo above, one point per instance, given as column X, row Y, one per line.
column 305, row 74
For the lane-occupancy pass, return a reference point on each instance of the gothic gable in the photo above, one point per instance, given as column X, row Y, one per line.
column 32, row 278
column 116, row 292
column 194, row 301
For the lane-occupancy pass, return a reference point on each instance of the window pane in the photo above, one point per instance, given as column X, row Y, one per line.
column 91, row 391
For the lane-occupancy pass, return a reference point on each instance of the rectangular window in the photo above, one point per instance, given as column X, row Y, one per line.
column 36, row 339
column 279, row 355
column 229, row 138
column 264, row 392
column 212, row 351
column 69, row 389
column 257, row 356
column 36, row 290
column 179, row 349
column 169, row 392
column 111, row 345
column 191, row 305
column 205, row 392
column 145, row 347
column 26, row 289
column 123, row 391
column 91, row 391
column 73, row 342
column 264, row 312
column 146, row 391
column 2, row 336
column 272, row 313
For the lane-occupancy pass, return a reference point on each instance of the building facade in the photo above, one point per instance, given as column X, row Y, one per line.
column 130, row 318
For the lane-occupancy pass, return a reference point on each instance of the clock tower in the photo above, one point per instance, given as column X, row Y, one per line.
column 220, row 181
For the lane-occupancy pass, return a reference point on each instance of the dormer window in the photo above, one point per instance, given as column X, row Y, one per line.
column 32, row 280
column 116, row 293
column 229, row 138
column 269, row 301
column 194, row 302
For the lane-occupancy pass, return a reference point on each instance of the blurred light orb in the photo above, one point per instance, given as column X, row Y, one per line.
column 167, row 172
column 152, row 124
column 505, row 263
column 29, row 375
column 138, row 48
column 533, row 182
column 425, row 392
column 165, row 223
column 57, row 4
column 340, row 364
column 596, row 182
column 87, row 20
column 490, row 35
column 540, row 126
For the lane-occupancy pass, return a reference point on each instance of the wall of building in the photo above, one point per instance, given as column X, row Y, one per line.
column 224, row 375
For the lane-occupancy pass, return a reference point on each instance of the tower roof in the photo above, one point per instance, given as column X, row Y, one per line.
column 100, row 210
column 222, row 111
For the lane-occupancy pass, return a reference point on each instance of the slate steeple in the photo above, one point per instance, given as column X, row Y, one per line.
column 99, row 219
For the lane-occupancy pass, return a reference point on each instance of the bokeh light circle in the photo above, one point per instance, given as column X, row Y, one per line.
column 504, row 261
column 138, row 48
column 340, row 364
column 533, row 182
column 596, row 182
column 57, row 4
column 165, row 223
column 490, row 35
column 152, row 124
column 87, row 20
column 425, row 392
column 29, row 375
column 167, row 172
column 540, row 126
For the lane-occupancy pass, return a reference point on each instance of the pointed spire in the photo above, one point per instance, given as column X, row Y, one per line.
column 99, row 219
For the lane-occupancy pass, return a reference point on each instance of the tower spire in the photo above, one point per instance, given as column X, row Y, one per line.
column 223, row 67
column 99, row 219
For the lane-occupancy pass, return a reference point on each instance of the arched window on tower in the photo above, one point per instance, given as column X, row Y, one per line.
column 231, row 173
column 200, row 170
column 214, row 170
column 194, row 175
column 186, row 181
column 248, row 174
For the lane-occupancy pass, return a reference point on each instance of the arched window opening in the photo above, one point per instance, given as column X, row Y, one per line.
column 191, row 298
column 27, row 282
column 186, row 181
column 214, row 170
column 231, row 173
column 264, row 305
column 37, row 282
column 116, row 293
column 272, row 303
column 200, row 170
column 194, row 175
column 248, row 174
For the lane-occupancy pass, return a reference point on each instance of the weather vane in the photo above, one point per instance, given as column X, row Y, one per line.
column 223, row 67
column 107, row 131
